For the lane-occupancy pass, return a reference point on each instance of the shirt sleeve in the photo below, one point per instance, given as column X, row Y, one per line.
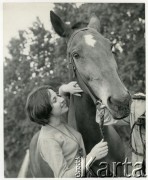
column 51, row 152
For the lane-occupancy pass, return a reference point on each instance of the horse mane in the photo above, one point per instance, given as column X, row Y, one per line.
column 79, row 25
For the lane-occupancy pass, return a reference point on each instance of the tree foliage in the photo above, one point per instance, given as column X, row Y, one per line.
column 38, row 57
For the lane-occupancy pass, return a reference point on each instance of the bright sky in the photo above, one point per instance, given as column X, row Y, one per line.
column 19, row 16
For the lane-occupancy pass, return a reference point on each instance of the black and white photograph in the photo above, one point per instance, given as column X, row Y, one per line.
column 74, row 89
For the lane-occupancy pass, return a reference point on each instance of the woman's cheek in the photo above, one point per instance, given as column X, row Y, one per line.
column 65, row 109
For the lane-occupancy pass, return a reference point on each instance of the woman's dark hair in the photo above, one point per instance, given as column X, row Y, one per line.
column 38, row 105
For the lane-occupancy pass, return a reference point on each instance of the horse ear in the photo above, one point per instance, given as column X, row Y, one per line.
column 59, row 26
column 94, row 22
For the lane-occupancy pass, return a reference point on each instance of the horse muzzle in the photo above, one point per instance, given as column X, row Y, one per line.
column 119, row 107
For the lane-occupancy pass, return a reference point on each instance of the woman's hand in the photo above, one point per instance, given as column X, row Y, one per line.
column 99, row 151
column 72, row 88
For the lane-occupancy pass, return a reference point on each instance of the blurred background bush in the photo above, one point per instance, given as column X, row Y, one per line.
column 38, row 58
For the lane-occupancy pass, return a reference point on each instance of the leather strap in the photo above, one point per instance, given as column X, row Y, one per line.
column 75, row 72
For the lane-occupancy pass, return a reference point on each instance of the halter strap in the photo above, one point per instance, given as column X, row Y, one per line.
column 83, row 81
column 76, row 73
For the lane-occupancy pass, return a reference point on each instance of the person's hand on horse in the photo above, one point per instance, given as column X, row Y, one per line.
column 72, row 88
column 99, row 151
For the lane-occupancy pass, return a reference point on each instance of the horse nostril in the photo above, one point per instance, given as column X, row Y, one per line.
column 120, row 100
column 113, row 100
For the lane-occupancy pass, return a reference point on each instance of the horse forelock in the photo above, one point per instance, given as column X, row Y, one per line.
column 79, row 25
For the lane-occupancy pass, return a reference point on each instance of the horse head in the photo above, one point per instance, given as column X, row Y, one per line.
column 92, row 55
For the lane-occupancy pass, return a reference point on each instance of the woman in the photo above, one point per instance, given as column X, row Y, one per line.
column 59, row 145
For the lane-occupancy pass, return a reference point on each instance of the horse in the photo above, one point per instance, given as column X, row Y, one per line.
column 93, row 65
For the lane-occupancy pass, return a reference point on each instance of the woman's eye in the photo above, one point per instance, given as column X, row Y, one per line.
column 76, row 56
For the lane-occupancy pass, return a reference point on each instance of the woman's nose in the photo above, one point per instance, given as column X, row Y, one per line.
column 61, row 99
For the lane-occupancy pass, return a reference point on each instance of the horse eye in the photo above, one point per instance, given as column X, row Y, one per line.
column 76, row 56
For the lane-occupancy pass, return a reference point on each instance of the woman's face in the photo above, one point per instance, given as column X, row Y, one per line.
column 58, row 104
